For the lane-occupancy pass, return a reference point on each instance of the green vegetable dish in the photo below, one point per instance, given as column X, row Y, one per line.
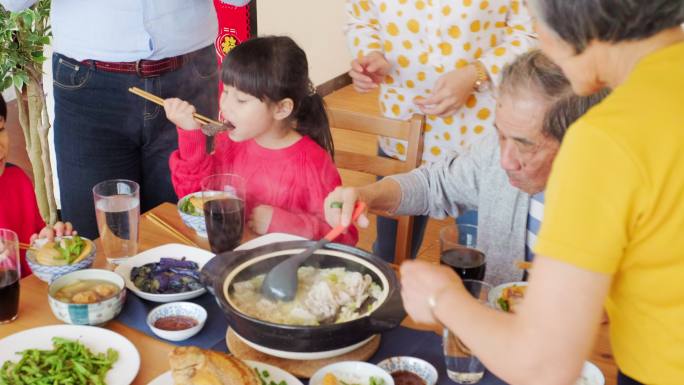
column 63, row 252
column 192, row 206
column 70, row 362
column 265, row 378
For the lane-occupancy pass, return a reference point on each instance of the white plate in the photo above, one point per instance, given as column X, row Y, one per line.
column 592, row 374
column 495, row 293
column 98, row 340
column 276, row 374
column 301, row 355
column 268, row 239
column 351, row 372
column 171, row 250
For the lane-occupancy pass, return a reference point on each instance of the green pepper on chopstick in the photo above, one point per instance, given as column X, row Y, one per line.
column 70, row 362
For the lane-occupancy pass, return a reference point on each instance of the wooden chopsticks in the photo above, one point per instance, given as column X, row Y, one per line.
column 24, row 246
column 523, row 265
column 156, row 99
column 170, row 229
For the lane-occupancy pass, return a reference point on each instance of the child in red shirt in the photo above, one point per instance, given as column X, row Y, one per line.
column 18, row 207
column 281, row 142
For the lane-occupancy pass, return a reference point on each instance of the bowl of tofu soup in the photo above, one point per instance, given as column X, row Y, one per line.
column 345, row 296
column 87, row 297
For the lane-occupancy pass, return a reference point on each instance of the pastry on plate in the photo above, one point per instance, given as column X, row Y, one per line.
column 191, row 365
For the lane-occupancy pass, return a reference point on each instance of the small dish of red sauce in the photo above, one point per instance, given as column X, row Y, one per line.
column 404, row 377
column 175, row 322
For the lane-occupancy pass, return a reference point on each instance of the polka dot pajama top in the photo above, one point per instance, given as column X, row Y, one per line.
column 424, row 39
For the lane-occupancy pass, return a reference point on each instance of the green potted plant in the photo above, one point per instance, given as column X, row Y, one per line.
column 23, row 36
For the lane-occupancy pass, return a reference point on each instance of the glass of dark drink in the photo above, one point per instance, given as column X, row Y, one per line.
column 10, row 273
column 458, row 250
column 223, row 200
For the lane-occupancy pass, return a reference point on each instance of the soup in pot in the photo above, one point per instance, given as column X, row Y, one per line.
column 324, row 296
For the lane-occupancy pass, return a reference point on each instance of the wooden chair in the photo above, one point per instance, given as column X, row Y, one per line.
column 359, row 115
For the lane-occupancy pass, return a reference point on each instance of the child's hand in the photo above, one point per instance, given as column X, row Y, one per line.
column 179, row 112
column 369, row 71
column 260, row 219
column 60, row 229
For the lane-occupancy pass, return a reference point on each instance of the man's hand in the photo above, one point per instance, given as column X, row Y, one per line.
column 179, row 112
column 369, row 71
column 339, row 205
column 260, row 219
column 450, row 92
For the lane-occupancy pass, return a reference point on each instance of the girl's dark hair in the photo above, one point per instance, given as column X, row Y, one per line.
column 3, row 108
column 273, row 68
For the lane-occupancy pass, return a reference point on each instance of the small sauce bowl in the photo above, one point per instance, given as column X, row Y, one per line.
column 410, row 370
column 176, row 321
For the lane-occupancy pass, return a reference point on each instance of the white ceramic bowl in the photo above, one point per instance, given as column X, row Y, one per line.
column 195, row 222
column 187, row 309
column 49, row 273
column 591, row 375
column 171, row 250
column 495, row 293
column 87, row 314
column 422, row 368
column 351, row 372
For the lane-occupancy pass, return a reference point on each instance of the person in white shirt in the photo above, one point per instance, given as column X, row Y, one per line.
column 438, row 58
column 102, row 131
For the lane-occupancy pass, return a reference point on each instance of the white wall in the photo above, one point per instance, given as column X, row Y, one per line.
column 316, row 25
column 8, row 94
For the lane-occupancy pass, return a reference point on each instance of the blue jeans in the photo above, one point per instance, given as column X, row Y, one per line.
column 102, row 131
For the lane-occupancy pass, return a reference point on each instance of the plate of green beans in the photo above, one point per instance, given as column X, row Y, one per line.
column 67, row 354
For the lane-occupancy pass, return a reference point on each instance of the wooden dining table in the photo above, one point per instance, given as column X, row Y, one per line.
column 34, row 310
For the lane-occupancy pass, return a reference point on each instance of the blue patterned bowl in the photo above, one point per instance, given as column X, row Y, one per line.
column 187, row 309
column 49, row 273
column 195, row 222
column 87, row 314
column 422, row 368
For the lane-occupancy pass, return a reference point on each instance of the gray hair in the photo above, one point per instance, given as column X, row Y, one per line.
column 578, row 22
column 535, row 72
column 566, row 111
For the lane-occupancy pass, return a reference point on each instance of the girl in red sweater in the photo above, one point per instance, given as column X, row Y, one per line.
column 18, row 207
column 281, row 142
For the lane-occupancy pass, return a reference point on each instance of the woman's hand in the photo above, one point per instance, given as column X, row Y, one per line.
column 341, row 215
column 422, row 282
column 60, row 229
column 369, row 71
column 179, row 112
column 260, row 219
column 450, row 92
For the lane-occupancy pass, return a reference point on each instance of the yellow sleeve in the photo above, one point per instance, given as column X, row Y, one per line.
column 591, row 201
column 519, row 38
column 362, row 28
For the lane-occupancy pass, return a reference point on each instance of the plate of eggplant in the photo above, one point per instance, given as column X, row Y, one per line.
column 166, row 273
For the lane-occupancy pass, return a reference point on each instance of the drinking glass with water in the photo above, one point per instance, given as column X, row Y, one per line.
column 10, row 274
column 462, row 366
column 117, row 207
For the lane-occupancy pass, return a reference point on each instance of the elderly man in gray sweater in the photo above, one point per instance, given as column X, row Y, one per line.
column 503, row 176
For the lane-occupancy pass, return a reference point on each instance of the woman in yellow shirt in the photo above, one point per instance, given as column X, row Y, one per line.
column 613, row 228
